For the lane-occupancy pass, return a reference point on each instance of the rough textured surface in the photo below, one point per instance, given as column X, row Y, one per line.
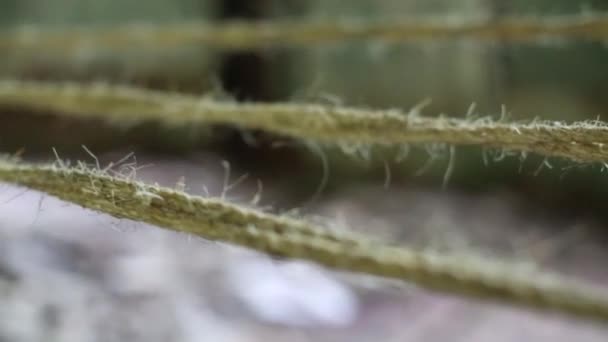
column 582, row 141
column 462, row 274
column 111, row 279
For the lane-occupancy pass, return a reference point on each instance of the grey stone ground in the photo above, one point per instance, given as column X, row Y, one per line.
column 68, row 274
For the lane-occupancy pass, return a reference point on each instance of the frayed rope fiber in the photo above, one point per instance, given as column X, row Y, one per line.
column 583, row 141
column 218, row 220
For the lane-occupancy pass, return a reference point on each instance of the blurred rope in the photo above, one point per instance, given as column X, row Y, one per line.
column 262, row 34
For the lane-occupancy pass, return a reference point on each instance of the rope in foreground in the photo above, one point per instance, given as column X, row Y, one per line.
column 217, row 220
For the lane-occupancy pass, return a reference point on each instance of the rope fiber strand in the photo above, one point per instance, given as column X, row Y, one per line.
column 580, row 141
column 217, row 220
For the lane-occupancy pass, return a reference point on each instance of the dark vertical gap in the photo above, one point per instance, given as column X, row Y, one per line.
column 245, row 74
column 252, row 76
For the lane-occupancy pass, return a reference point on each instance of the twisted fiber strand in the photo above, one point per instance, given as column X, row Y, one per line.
column 221, row 221
column 246, row 35
column 581, row 141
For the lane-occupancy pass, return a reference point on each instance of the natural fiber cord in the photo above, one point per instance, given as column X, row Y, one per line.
column 247, row 35
column 581, row 141
column 221, row 221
